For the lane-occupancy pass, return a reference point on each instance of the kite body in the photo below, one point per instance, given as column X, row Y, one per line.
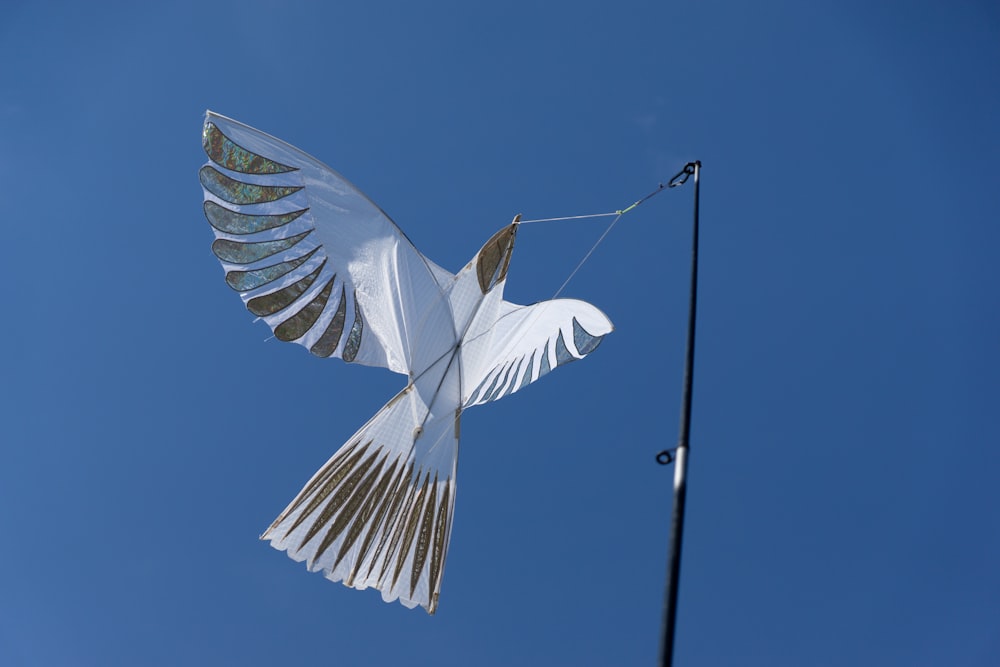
column 327, row 269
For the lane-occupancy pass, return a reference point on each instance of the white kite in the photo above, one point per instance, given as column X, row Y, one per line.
column 326, row 268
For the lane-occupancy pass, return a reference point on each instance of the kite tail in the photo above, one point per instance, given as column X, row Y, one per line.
column 379, row 513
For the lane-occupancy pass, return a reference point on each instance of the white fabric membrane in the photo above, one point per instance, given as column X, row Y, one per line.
column 327, row 269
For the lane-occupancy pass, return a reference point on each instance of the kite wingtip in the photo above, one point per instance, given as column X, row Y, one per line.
column 210, row 115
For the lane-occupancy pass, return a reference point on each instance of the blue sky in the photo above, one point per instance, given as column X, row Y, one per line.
column 842, row 502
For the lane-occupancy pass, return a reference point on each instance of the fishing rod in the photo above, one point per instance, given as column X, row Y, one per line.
column 680, row 454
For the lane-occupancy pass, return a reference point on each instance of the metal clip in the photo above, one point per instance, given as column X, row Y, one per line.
column 681, row 177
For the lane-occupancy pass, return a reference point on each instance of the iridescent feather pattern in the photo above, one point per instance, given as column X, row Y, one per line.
column 263, row 228
column 224, row 151
column 232, row 222
column 325, row 268
column 237, row 192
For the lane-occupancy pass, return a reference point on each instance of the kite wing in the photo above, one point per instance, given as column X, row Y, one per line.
column 315, row 258
column 525, row 343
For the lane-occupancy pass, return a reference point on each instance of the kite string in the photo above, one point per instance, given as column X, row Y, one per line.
column 618, row 216
column 570, row 217
column 680, row 178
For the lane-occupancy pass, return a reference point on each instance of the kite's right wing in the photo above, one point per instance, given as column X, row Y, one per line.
column 317, row 260
column 525, row 343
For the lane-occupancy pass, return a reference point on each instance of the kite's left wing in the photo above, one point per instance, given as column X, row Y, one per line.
column 525, row 343
column 315, row 258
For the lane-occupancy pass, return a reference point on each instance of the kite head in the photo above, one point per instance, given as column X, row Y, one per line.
column 494, row 257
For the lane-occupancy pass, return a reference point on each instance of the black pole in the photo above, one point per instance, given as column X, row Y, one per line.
column 680, row 458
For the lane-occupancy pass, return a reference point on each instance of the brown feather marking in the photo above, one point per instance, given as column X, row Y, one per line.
column 411, row 529
column 424, row 537
column 399, row 526
column 392, row 518
column 377, row 497
column 354, row 503
column 318, row 479
column 342, row 494
column 440, row 537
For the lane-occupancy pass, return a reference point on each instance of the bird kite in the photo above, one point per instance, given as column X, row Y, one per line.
column 327, row 269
